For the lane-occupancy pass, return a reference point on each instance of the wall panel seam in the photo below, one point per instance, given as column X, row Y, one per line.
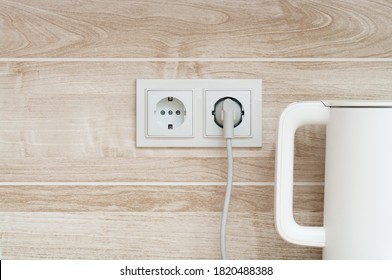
column 267, row 184
column 193, row 59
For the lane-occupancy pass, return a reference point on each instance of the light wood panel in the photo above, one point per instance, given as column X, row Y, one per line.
column 197, row 28
column 148, row 222
column 186, row 198
column 76, row 121
column 129, row 236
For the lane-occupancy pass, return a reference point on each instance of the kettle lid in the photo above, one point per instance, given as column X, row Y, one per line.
column 358, row 103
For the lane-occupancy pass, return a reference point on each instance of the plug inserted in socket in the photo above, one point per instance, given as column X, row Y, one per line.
column 218, row 111
column 212, row 97
column 169, row 113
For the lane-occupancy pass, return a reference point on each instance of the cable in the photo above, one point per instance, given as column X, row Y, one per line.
column 228, row 113
column 226, row 205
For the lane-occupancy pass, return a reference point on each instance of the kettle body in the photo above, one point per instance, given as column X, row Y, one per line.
column 358, row 178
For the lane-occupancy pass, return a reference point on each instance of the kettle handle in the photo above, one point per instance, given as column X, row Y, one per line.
column 294, row 116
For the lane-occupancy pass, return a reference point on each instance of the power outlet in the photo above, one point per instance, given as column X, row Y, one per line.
column 169, row 113
column 211, row 97
column 178, row 112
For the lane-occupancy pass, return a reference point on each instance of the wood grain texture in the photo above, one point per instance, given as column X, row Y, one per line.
column 143, row 222
column 186, row 198
column 197, row 28
column 76, row 121
column 129, row 236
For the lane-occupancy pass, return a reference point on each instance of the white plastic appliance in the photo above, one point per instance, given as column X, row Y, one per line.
column 358, row 178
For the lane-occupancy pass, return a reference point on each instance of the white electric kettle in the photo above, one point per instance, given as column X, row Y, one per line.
column 358, row 178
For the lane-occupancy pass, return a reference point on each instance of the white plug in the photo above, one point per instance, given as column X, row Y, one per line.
column 228, row 112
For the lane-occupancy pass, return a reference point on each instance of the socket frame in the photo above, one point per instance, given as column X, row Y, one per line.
column 198, row 88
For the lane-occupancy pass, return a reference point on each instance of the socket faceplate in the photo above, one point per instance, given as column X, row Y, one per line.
column 198, row 128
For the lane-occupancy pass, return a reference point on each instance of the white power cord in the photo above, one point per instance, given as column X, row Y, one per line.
column 228, row 114
column 226, row 204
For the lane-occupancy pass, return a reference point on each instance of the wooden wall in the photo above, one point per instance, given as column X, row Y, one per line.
column 73, row 183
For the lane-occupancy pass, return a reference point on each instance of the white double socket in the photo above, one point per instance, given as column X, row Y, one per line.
column 178, row 112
